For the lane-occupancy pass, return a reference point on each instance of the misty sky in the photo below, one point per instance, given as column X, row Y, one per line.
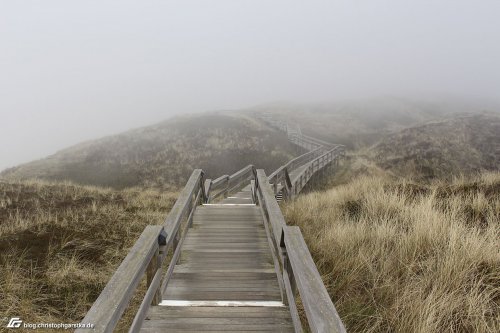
column 77, row 70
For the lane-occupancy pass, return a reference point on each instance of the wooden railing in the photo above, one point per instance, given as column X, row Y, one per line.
column 297, row 270
column 147, row 256
column 223, row 185
column 331, row 157
column 296, row 267
column 318, row 141
column 280, row 178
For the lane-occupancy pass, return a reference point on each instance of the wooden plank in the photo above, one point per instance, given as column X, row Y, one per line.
column 234, row 239
column 161, row 312
column 214, row 326
column 162, row 330
column 207, row 189
column 225, row 270
column 321, row 313
column 222, row 321
column 111, row 303
column 177, row 212
column 260, row 261
column 224, row 276
column 223, row 296
column 232, row 232
column 228, row 250
column 291, row 302
column 186, row 280
column 271, row 206
column 152, row 297
column 240, row 287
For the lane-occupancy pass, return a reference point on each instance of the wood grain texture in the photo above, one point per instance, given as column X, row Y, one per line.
column 223, row 256
column 233, row 255
column 218, row 319
column 315, row 298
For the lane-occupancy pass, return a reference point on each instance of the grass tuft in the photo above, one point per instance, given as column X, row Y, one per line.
column 60, row 244
column 397, row 256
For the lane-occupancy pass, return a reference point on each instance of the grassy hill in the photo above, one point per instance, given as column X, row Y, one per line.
column 442, row 148
column 60, row 243
column 395, row 254
column 359, row 123
column 401, row 256
column 165, row 154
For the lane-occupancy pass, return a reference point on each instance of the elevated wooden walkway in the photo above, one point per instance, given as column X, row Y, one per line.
column 225, row 279
column 235, row 266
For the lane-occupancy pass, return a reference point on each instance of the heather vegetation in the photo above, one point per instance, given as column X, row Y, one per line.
column 164, row 155
column 442, row 148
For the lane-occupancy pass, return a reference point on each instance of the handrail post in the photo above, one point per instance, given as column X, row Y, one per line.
column 253, row 190
column 153, row 266
column 206, row 192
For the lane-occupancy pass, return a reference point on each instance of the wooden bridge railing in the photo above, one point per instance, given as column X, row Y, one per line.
column 223, row 185
column 318, row 141
column 280, row 177
column 296, row 266
column 304, row 142
column 330, row 157
column 148, row 255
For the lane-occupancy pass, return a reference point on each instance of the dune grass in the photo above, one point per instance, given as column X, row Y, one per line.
column 60, row 243
column 397, row 256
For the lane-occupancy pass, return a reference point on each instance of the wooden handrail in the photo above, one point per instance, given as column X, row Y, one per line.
column 297, row 161
column 240, row 177
column 319, row 141
column 316, row 164
column 111, row 303
column 297, row 266
column 178, row 211
column 146, row 254
column 270, row 205
column 320, row 311
column 225, row 184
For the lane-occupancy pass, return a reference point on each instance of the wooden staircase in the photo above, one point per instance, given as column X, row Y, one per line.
column 235, row 266
column 225, row 279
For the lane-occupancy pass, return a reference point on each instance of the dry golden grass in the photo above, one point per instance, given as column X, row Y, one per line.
column 397, row 256
column 60, row 244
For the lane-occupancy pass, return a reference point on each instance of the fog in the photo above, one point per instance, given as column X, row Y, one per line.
column 73, row 71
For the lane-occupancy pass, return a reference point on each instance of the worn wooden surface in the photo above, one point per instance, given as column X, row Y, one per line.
column 225, row 257
column 237, row 266
column 312, row 291
column 218, row 319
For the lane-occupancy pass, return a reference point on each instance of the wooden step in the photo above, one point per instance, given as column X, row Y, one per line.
column 217, row 319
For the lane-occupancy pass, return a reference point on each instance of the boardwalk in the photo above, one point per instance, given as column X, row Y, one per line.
column 235, row 266
column 225, row 279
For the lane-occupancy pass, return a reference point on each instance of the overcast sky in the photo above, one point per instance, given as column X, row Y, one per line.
column 77, row 70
